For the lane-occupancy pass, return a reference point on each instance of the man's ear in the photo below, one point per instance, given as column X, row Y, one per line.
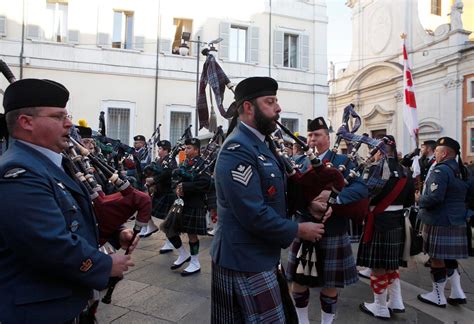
column 247, row 107
column 25, row 122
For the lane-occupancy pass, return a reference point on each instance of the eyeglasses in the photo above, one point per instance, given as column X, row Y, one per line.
column 60, row 118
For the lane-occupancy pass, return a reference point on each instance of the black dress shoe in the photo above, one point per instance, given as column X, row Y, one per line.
column 367, row 311
column 457, row 301
column 176, row 266
column 187, row 273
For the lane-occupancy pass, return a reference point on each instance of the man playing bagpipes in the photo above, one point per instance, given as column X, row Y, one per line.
column 161, row 182
column 335, row 265
column 49, row 258
column 382, row 243
column 253, row 225
column 192, row 188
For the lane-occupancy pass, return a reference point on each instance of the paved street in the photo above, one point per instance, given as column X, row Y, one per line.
column 152, row 293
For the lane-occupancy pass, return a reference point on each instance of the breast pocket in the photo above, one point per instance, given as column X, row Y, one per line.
column 272, row 183
column 70, row 209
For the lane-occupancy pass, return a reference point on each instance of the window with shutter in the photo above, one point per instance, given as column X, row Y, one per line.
column 253, row 44
column 139, row 43
column 73, row 36
column 238, row 44
column 122, row 36
column 290, row 50
column 118, row 124
column 181, row 26
column 3, row 26
column 224, row 46
column 278, row 48
column 32, row 31
column 56, row 28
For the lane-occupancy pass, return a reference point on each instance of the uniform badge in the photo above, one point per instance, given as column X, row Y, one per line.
column 261, row 157
column 433, row 187
column 86, row 265
column 74, row 226
column 14, row 173
column 233, row 146
column 242, row 174
column 271, row 191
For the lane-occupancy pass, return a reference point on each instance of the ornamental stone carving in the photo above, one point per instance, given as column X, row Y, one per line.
column 453, row 83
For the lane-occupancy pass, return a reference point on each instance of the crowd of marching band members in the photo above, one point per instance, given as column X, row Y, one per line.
column 258, row 207
column 441, row 179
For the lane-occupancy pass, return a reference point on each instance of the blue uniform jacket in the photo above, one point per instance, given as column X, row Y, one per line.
column 251, row 205
column 49, row 256
column 443, row 200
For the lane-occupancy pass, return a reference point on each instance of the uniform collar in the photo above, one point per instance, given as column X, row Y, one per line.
column 255, row 132
column 56, row 158
column 322, row 155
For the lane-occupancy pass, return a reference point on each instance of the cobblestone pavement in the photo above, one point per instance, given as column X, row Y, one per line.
column 152, row 293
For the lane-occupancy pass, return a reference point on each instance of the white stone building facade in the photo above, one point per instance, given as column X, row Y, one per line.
column 441, row 58
column 119, row 56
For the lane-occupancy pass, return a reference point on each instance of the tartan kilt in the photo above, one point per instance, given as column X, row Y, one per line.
column 445, row 242
column 162, row 204
column 193, row 221
column 338, row 264
column 242, row 297
column 385, row 251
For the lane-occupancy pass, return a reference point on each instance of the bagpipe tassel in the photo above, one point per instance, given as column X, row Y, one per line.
column 313, row 256
column 300, row 252
column 300, row 268
column 314, row 272
column 306, row 269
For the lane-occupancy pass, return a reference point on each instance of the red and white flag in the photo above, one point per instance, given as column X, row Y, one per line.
column 409, row 105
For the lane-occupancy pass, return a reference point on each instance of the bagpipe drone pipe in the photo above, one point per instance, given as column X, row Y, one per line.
column 112, row 210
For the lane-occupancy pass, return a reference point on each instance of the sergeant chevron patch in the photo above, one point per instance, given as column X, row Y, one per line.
column 242, row 174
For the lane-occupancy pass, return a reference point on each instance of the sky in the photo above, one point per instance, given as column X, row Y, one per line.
column 339, row 33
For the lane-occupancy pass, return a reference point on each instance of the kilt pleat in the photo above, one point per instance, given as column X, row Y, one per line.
column 162, row 204
column 385, row 251
column 194, row 221
column 338, row 268
column 240, row 297
column 445, row 242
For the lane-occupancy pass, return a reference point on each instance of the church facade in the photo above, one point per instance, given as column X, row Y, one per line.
column 442, row 62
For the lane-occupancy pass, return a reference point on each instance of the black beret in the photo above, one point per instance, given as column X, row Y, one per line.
column 139, row 138
column 29, row 93
column 193, row 141
column 85, row 132
column 164, row 144
column 449, row 142
column 316, row 124
column 255, row 87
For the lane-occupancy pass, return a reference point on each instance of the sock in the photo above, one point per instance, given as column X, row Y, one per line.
column 378, row 283
column 391, row 276
column 328, row 304
column 301, row 298
column 451, row 266
column 194, row 247
column 176, row 241
column 438, row 274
